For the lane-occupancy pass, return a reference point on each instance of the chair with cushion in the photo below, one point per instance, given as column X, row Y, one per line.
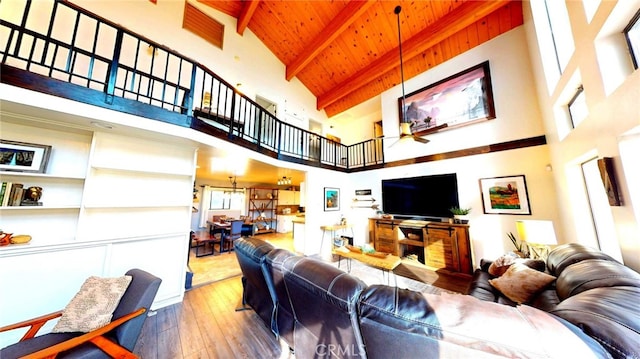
column 228, row 238
column 76, row 335
column 257, row 288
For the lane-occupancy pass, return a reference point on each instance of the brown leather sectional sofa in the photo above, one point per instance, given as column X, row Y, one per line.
column 321, row 311
column 592, row 291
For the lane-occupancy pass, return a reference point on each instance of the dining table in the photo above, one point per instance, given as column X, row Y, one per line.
column 221, row 228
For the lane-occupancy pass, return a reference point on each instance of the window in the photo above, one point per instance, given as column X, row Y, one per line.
column 226, row 199
column 555, row 38
column 560, row 31
column 578, row 110
column 632, row 34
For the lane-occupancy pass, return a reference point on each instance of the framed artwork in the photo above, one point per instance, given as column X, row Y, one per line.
column 331, row 199
column 505, row 195
column 23, row 157
column 458, row 100
column 607, row 173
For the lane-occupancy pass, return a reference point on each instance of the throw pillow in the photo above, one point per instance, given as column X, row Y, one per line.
column 537, row 264
column 500, row 265
column 520, row 283
column 92, row 307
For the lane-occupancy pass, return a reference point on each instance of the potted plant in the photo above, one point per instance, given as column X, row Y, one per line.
column 460, row 215
column 519, row 246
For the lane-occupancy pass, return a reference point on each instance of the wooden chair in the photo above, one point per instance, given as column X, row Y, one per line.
column 115, row 340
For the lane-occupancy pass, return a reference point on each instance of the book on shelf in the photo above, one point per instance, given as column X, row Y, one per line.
column 17, row 191
column 7, row 193
column 3, row 189
column 11, row 194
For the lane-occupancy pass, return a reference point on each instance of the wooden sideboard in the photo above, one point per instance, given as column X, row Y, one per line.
column 438, row 245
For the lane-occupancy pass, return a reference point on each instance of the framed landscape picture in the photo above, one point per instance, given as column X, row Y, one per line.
column 331, row 199
column 458, row 100
column 505, row 195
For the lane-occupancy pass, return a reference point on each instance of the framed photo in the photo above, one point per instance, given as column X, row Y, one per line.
column 505, row 195
column 23, row 157
column 458, row 100
column 331, row 199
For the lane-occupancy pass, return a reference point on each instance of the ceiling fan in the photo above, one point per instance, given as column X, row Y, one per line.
column 405, row 125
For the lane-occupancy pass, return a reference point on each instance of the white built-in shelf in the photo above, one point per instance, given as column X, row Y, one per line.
column 39, row 175
column 134, row 170
column 135, row 206
column 38, row 208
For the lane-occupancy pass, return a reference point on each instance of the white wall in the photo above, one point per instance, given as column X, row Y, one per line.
column 612, row 89
column 517, row 117
column 488, row 231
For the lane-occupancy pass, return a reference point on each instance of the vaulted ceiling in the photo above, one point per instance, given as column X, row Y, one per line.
column 346, row 52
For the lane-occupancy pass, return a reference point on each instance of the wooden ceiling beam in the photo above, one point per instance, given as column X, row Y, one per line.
column 248, row 9
column 465, row 15
column 339, row 24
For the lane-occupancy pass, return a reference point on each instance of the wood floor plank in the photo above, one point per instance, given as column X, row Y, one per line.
column 212, row 334
column 190, row 336
column 148, row 340
column 169, row 344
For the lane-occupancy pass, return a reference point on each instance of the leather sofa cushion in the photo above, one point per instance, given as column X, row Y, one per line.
column 610, row 315
column 257, row 291
column 323, row 299
column 284, row 323
column 400, row 323
column 594, row 273
column 567, row 254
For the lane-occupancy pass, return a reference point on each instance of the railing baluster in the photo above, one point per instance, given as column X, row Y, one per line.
column 70, row 56
column 23, row 25
column 189, row 95
column 92, row 58
column 54, row 10
column 111, row 81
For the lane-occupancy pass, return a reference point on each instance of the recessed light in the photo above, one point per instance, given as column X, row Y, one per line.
column 102, row 125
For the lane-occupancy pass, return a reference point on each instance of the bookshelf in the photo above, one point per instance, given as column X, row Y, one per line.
column 262, row 209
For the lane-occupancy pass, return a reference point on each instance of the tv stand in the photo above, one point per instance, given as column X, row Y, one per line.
column 439, row 246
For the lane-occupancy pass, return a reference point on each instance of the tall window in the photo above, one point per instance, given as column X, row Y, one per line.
column 632, row 34
column 555, row 38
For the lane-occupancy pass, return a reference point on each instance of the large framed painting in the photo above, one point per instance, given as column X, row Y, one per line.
column 23, row 157
column 458, row 100
column 331, row 199
column 505, row 195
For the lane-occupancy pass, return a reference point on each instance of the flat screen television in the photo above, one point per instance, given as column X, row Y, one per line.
column 424, row 197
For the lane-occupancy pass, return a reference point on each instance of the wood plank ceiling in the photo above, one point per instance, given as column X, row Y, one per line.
column 346, row 52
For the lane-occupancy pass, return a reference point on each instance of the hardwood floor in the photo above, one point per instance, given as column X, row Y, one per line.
column 207, row 325
column 212, row 268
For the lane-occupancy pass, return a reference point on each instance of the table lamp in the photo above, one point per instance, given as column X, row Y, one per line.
column 538, row 235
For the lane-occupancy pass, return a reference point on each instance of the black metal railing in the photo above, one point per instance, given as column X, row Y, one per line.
column 62, row 41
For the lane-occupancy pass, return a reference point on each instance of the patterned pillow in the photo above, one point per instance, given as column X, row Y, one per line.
column 500, row 265
column 520, row 283
column 92, row 307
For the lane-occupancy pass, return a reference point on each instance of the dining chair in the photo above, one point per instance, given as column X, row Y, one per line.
column 235, row 232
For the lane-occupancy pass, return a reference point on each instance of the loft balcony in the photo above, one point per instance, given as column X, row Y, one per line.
column 80, row 56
